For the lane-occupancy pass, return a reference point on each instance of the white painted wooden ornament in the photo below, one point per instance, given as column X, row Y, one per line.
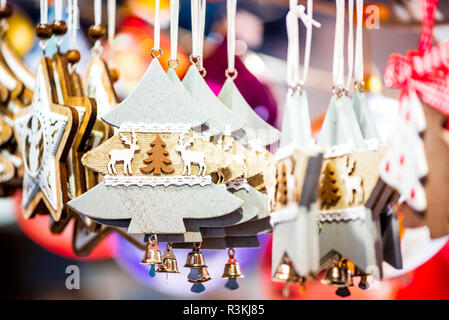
column 44, row 132
column 405, row 164
column 123, row 155
column 296, row 126
column 209, row 104
column 259, row 133
column 365, row 121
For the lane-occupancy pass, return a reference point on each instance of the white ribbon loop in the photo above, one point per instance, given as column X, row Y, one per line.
column 358, row 65
column 198, row 24
column 111, row 20
column 231, row 9
column 355, row 67
column 174, row 25
column 298, row 12
column 73, row 22
column 338, row 59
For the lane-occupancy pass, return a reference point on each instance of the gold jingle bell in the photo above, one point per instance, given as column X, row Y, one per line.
column 152, row 254
column 195, row 258
column 169, row 263
column 285, row 272
column 232, row 268
column 336, row 276
column 363, row 284
column 349, row 280
column 205, row 276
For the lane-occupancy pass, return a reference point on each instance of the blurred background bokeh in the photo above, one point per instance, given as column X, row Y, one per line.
column 34, row 261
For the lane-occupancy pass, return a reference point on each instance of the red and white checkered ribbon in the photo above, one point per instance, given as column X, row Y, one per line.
column 425, row 71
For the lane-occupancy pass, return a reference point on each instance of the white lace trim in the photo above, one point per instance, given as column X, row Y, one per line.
column 372, row 144
column 348, row 214
column 339, row 150
column 287, row 214
column 157, row 181
column 238, row 184
column 155, row 127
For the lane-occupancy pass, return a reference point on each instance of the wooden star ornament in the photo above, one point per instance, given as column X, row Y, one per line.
column 45, row 132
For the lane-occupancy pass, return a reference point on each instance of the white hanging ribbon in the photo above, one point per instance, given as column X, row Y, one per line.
column 298, row 11
column 198, row 24
column 350, row 43
column 44, row 11
column 358, row 65
column 338, row 60
column 157, row 26
column 58, row 10
column 97, row 11
column 231, row 9
column 174, row 25
column 2, row 3
column 73, row 22
column 111, row 20
column 355, row 67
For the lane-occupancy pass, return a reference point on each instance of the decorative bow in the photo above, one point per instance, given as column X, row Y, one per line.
column 425, row 71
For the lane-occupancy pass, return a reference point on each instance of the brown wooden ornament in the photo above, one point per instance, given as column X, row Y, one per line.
column 53, row 125
column 70, row 93
column 158, row 160
column 329, row 191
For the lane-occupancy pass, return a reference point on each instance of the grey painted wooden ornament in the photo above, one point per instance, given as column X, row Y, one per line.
column 391, row 242
column 294, row 237
column 355, row 240
column 295, row 227
column 154, row 100
column 214, row 126
column 252, row 208
column 255, row 127
column 340, row 126
column 296, row 127
column 365, row 119
column 155, row 209
column 209, row 103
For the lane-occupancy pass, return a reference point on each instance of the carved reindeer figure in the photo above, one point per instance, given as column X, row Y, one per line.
column 352, row 183
column 125, row 155
column 190, row 157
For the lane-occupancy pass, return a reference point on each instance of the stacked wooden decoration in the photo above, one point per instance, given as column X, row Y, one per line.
column 16, row 83
column 341, row 207
column 174, row 163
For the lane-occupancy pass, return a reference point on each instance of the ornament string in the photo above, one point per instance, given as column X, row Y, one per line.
column 350, row 44
column 43, row 21
column 111, row 21
column 44, row 11
column 358, row 64
column 198, row 24
column 156, row 52
column 231, row 9
column 355, row 66
column 73, row 22
column 338, row 59
column 97, row 48
column 294, row 78
column 97, row 12
column 58, row 10
column 173, row 62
